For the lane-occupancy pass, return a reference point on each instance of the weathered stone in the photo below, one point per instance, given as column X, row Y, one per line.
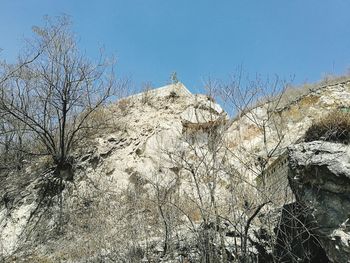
column 146, row 128
column 320, row 179
column 293, row 240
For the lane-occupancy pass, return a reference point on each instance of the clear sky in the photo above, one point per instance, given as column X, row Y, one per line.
column 197, row 38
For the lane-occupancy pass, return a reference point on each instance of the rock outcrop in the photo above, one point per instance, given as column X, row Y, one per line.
column 155, row 144
column 320, row 179
column 115, row 167
column 268, row 129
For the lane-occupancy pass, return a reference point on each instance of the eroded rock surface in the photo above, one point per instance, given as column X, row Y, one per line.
column 115, row 171
column 131, row 156
column 320, row 178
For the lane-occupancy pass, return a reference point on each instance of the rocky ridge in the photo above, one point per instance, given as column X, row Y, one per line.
column 136, row 153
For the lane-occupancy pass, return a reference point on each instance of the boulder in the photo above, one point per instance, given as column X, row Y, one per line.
column 319, row 174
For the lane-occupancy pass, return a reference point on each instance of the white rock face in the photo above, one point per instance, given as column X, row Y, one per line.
column 154, row 128
column 267, row 130
column 203, row 112
column 12, row 226
column 151, row 130
column 147, row 128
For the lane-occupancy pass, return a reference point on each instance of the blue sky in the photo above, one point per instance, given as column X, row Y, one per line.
column 197, row 38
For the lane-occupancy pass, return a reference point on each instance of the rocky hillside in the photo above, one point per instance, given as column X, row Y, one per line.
column 264, row 132
column 136, row 154
column 171, row 179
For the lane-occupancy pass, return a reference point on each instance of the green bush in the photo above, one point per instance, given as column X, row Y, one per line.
column 335, row 127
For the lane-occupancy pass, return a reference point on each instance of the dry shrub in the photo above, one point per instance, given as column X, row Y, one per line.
column 124, row 105
column 146, row 93
column 97, row 123
column 173, row 96
column 335, row 127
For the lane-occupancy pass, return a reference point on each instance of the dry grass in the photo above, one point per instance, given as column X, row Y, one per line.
column 335, row 127
column 124, row 105
column 295, row 93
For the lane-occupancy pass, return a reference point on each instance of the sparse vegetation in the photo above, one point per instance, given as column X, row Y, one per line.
column 124, row 105
column 138, row 194
column 173, row 95
column 146, row 93
column 173, row 78
column 50, row 94
column 335, row 127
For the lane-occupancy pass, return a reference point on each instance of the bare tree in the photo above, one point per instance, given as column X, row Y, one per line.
column 14, row 145
column 219, row 177
column 55, row 92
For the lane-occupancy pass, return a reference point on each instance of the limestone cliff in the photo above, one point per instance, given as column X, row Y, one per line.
column 260, row 136
column 285, row 119
column 168, row 159
column 132, row 155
